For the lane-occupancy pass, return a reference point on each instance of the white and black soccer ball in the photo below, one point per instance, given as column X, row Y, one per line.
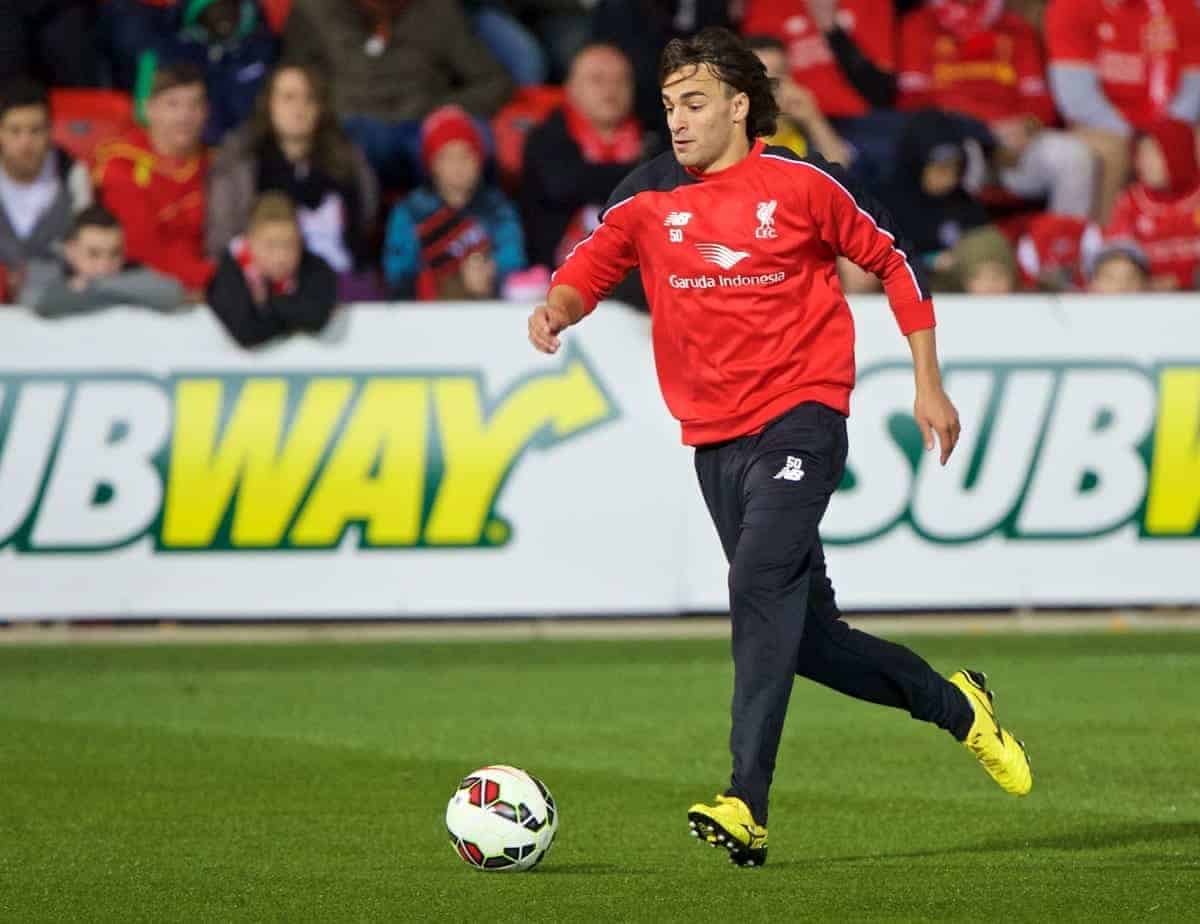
column 501, row 818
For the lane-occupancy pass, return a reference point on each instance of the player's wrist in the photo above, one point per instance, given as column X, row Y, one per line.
column 565, row 305
column 929, row 384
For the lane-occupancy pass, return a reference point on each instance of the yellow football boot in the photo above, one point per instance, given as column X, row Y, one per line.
column 729, row 824
column 1002, row 755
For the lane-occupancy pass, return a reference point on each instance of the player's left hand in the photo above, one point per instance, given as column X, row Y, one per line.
column 935, row 413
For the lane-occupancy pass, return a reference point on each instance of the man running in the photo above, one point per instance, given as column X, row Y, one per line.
column 754, row 345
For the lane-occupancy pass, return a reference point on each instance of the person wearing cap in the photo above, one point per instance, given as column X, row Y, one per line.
column 980, row 263
column 1161, row 210
column 1118, row 267
column 455, row 237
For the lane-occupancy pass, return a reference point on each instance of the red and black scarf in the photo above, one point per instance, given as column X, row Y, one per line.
column 447, row 238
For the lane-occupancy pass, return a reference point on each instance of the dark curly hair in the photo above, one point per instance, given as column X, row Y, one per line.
column 734, row 64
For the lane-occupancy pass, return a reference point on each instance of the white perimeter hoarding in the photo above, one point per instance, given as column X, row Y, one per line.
column 425, row 461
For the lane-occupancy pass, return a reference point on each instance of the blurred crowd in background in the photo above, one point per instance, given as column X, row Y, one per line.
column 274, row 158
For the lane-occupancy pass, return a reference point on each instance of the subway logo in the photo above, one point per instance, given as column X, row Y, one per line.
column 220, row 461
column 1048, row 452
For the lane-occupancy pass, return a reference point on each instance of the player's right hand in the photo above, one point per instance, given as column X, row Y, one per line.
column 545, row 324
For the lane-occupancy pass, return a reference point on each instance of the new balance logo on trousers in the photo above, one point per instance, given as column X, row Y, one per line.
column 793, row 469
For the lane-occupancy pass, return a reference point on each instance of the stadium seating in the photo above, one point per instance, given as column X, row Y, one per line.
column 276, row 12
column 85, row 118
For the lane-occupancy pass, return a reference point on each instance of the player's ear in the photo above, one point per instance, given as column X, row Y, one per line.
column 741, row 107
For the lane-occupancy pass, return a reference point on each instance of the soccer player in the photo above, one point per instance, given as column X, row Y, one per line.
column 753, row 342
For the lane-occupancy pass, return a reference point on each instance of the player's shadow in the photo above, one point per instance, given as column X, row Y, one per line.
column 1087, row 838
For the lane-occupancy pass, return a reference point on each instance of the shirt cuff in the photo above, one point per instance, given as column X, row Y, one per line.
column 564, row 276
column 914, row 316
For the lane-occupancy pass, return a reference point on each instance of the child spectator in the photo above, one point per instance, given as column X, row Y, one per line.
column 980, row 263
column 801, row 126
column 1118, row 267
column 1117, row 66
column 1161, row 210
column 153, row 179
column 974, row 58
column 457, row 237
column 267, row 284
column 41, row 188
column 391, row 62
column 93, row 274
column 228, row 41
column 577, row 156
column 295, row 145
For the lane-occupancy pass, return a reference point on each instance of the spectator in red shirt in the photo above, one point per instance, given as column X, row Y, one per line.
column 1117, row 66
column 1161, row 211
column 973, row 57
column 153, row 179
column 844, row 53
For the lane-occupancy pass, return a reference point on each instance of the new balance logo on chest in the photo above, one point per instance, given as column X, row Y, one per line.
column 675, row 223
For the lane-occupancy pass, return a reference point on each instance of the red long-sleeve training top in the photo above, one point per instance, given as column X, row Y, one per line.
column 739, row 268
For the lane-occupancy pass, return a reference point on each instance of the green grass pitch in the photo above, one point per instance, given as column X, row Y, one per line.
column 307, row 782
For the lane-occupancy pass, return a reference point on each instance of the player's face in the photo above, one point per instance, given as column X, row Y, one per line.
column 706, row 118
column 96, row 252
column 24, row 141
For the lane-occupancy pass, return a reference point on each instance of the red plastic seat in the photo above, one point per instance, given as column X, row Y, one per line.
column 84, row 119
column 527, row 109
column 276, row 12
